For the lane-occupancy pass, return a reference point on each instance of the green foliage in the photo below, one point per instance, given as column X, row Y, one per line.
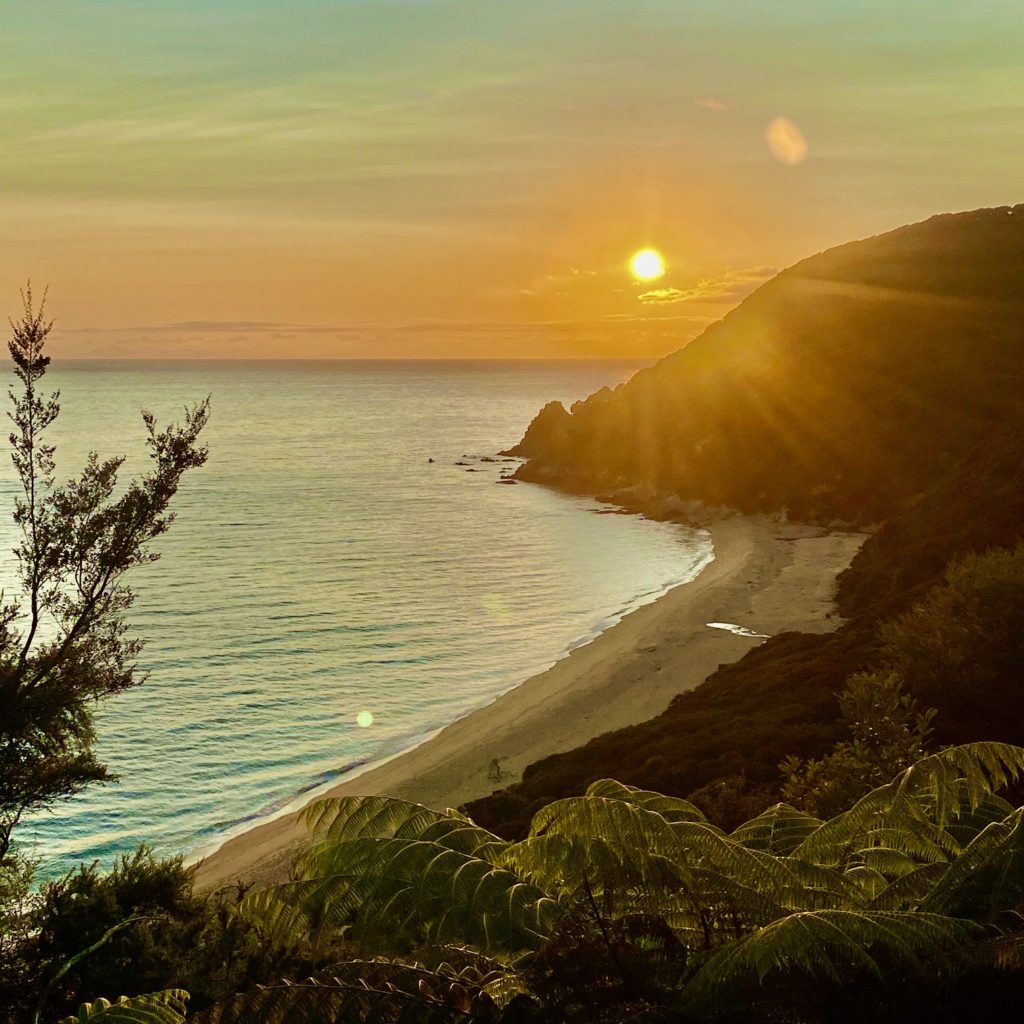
column 63, row 639
column 390, row 859
column 64, row 646
column 889, row 732
column 17, row 902
column 778, row 830
column 138, row 926
column 626, row 904
column 836, row 944
column 733, row 799
column 962, row 646
column 380, row 991
column 156, row 1008
column 94, row 932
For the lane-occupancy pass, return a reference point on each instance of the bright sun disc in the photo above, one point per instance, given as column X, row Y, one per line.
column 647, row 264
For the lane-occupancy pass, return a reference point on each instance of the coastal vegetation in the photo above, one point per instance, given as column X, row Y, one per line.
column 829, row 829
column 628, row 905
column 64, row 641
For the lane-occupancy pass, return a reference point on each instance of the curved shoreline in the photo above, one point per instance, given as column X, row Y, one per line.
column 765, row 576
column 294, row 804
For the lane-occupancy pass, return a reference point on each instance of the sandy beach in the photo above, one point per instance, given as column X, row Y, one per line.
column 766, row 577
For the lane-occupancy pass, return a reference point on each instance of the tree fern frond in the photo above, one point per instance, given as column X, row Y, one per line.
column 383, row 883
column 605, row 818
column 987, row 879
column 332, row 1001
column 883, row 817
column 893, row 863
column 832, row 842
column 971, row 822
column 906, row 892
column 869, row 880
column 807, row 886
column 830, row 943
column 292, row 914
column 646, row 833
column 728, row 903
column 379, row 972
column 671, row 808
column 459, row 833
column 569, row 863
column 354, row 817
column 983, row 767
column 906, row 831
column 778, row 830
column 168, row 1007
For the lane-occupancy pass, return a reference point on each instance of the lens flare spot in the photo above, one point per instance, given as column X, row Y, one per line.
column 647, row 265
column 496, row 606
column 364, row 719
column 786, row 142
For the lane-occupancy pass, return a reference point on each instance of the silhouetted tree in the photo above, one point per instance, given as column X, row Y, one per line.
column 63, row 638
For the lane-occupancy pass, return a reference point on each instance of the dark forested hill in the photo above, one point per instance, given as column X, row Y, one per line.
column 838, row 390
column 880, row 381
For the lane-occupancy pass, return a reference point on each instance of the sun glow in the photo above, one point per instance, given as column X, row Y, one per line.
column 647, row 265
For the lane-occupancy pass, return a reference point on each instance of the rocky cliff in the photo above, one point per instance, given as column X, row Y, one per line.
column 837, row 390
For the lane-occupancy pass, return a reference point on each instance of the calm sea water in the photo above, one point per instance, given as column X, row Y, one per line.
column 322, row 572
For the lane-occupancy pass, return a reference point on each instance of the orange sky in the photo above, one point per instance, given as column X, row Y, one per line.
column 466, row 179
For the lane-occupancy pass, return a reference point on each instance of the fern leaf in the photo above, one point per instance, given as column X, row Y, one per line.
column 386, row 883
column 569, row 863
column 886, row 816
column 669, row 807
column 168, row 1007
column 831, row 943
column 778, row 830
column 317, row 1001
column 983, row 767
column 887, row 861
column 971, row 822
column 907, row 891
column 987, row 879
column 353, row 817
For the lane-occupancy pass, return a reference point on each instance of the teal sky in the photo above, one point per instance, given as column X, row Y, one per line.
column 435, row 178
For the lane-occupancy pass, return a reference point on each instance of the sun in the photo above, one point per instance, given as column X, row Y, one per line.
column 647, row 265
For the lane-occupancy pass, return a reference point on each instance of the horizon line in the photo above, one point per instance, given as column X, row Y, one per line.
column 353, row 359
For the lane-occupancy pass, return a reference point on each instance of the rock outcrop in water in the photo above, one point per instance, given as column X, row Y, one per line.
column 837, row 390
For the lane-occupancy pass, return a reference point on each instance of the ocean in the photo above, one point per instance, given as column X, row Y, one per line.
column 328, row 595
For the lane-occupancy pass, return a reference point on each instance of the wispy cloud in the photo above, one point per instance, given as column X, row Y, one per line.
column 732, row 286
column 571, row 282
column 663, row 295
